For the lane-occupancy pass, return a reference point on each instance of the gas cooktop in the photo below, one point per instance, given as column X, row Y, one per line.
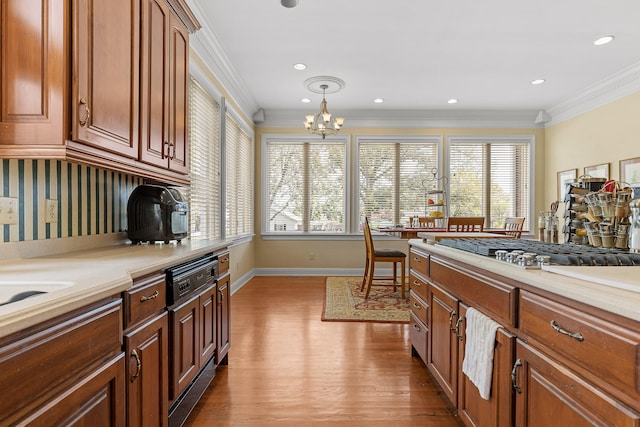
column 558, row 254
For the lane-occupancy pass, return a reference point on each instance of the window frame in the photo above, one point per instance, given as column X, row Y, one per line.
column 386, row 139
column 499, row 139
column 266, row 233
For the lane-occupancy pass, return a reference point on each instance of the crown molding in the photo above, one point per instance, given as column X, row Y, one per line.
column 205, row 43
column 615, row 87
column 412, row 118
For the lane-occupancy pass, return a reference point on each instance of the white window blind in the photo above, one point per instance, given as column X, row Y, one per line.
column 204, row 145
column 392, row 178
column 239, row 180
column 490, row 179
column 306, row 186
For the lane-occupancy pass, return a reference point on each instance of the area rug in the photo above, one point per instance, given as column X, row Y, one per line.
column 345, row 303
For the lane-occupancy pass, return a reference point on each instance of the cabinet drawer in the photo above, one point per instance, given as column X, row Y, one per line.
column 418, row 336
column 418, row 307
column 603, row 349
column 419, row 262
column 147, row 297
column 418, row 285
column 223, row 264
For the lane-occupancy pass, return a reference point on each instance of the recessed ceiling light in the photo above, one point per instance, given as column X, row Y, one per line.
column 300, row 66
column 537, row 81
column 378, row 100
column 603, row 40
column 452, row 101
column 306, row 100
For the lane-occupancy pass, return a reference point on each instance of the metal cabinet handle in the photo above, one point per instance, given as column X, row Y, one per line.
column 134, row 354
column 83, row 121
column 416, row 327
column 459, row 329
column 417, row 306
column 451, row 316
column 150, row 297
column 416, row 283
column 172, row 145
column 575, row 335
column 514, row 376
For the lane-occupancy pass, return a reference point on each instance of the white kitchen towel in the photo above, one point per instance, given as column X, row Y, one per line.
column 478, row 351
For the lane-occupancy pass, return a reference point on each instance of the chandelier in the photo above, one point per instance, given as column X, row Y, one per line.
column 321, row 123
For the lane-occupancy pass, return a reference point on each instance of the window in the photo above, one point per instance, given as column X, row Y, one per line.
column 305, row 186
column 393, row 176
column 238, row 163
column 204, row 146
column 490, row 178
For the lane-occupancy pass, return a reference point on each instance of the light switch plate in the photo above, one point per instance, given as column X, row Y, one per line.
column 8, row 210
column 50, row 210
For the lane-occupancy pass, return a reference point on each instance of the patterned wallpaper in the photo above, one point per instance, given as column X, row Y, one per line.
column 89, row 200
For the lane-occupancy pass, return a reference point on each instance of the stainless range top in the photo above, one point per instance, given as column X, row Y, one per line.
column 533, row 253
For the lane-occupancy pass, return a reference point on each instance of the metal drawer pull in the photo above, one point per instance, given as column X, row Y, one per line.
column 514, row 381
column 150, row 297
column 417, row 306
column 134, row 354
column 416, row 327
column 416, row 283
column 575, row 335
column 83, row 121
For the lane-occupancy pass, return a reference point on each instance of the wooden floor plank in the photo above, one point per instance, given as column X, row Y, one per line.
column 288, row 368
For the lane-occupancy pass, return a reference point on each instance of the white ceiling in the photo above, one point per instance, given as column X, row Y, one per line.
column 417, row 54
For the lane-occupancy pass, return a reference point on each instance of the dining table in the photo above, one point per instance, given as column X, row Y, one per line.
column 413, row 232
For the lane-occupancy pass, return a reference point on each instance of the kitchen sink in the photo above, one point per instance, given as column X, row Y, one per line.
column 11, row 292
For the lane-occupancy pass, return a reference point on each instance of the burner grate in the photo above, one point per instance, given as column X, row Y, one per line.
column 560, row 254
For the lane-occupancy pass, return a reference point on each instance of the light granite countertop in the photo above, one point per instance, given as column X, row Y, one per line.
column 74, row 279
column 611, row 292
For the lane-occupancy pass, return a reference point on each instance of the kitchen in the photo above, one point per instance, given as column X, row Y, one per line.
column 605, row 118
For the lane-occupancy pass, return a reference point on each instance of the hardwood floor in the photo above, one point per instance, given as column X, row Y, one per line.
column 288, row 368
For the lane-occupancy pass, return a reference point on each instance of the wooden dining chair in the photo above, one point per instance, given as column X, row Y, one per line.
column 465, row 223
column 513, row 226
column 391, row 255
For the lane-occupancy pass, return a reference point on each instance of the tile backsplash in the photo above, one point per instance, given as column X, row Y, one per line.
column 82, row 200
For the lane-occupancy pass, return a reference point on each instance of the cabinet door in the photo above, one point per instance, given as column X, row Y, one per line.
column 548, row 394
column 473, row 409
column 147, row 349
column 224, row 320
column 154, row 89
column 106, row 75
column 178, row 97
column 208, row 307
column 33, row 72
column 443, row 344
column 185, row 324
column 96, row 400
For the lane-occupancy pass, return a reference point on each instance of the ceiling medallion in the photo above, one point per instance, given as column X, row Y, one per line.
column 321, row 123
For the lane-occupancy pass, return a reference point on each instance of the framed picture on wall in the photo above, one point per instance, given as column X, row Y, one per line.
column 564, row 177
column 630, row 170
column 598, row 171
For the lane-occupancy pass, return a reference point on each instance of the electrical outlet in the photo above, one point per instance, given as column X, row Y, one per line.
column 50, row 210
column 8, row 210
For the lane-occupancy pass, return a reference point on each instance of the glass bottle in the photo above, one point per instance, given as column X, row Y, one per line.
column 541, row 226
column 634, row 229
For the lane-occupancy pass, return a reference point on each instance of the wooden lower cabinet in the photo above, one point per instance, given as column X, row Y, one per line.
column 67, row 370
column 185, row 351
column 497, row 410
column 147, row 350
column 548, row 394
column 224, row 320
column 96, row 400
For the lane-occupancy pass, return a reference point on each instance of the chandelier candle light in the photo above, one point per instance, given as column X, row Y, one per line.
column 321, row 123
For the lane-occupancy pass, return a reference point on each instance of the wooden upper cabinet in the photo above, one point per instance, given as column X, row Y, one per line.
column 33, row 70
column 164, row 88
column 104, row 100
